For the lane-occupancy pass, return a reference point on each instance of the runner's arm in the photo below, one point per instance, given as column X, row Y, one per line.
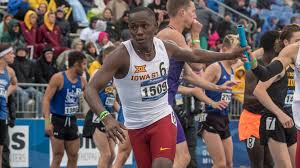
column 198, row 81
column 199, row 55
column 53, row 85
column 13, row 82
column 277, row 65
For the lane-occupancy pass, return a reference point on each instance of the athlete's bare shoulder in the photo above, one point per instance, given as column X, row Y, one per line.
column 290, row 51
column 173, row 35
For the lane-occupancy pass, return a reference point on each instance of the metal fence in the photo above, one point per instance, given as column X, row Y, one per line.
column 29, row 102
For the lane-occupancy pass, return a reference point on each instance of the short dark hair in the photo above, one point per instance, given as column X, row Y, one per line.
column 286, row 34
column 173, row 6
column 142, row 9
column 268, row 40
column 75, row 57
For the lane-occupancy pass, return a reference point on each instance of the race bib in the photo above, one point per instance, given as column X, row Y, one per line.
column 71, row 110
column 110, row 101
column 289, row 97
column 226, row 97
column 154, row 89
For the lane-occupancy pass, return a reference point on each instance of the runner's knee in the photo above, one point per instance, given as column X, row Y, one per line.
column 72, row 156
column 162, row 162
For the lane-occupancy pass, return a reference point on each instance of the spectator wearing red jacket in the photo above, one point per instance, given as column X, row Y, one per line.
column 29, row 32
column 50, row 33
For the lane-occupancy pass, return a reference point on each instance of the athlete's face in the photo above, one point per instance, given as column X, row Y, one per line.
column 295, row 38
column 141, row 27
column 9, row 58
column 81, row 67
column 189, row 15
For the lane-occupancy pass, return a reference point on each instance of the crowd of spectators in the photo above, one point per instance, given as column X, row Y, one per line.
column 45, row 31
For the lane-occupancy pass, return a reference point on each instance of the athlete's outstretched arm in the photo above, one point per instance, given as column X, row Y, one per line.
column 112, row 65
column 201, row 82
column 286, row 56
column 199, row 55
column 263, row 97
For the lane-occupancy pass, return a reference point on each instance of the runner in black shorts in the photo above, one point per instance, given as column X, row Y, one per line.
column 214, row 122
column 94, row 129
column 281, row 138
column 62, row 99
column 259, row 155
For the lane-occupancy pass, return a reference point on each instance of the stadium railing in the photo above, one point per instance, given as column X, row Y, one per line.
column 29, row 104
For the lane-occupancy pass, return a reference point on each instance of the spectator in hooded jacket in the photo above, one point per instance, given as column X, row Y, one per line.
column 45, row 66
column 87, row 33
column 91, row 49
column 29, row 32
column 50, row 33
column 104, row 41
column 24, row 69
column 64, row 26
column 13, row 34
column 4, row 24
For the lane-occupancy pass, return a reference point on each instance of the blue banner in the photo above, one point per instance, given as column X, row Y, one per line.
column 30, row 148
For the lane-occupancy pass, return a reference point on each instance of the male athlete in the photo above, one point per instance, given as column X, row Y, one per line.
column 259, row 155
column 140, row 69
column 182, row 15
column 62, row 100
column 289, row 55
column 8, row 84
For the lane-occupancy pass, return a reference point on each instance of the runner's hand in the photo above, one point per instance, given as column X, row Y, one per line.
column 114, row 129
column 49, row 129
column 228, row 85
column 285, row 120
column 238, row 52
column 220, row 105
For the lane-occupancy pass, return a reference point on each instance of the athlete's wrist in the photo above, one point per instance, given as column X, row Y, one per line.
column 47, row 121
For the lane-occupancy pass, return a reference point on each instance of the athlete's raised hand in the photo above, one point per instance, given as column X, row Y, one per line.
column 285, row 120
column 114, row 129
column 220, row 105
column 196, row 27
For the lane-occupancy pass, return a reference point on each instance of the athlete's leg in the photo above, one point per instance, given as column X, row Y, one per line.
column 292, row 152
column 124, row 150
column 182, row 155
column 228, row 149
column 162, row 162
column 163, row 142
column 112, row 146
column 1, row 152
column 140, row 147
column 298, row 150
column 280, row 154
column 103, row 146
column 58, row 149
column 215, row 149
column 256, row 153
column 268, row 160
column 72, row 149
